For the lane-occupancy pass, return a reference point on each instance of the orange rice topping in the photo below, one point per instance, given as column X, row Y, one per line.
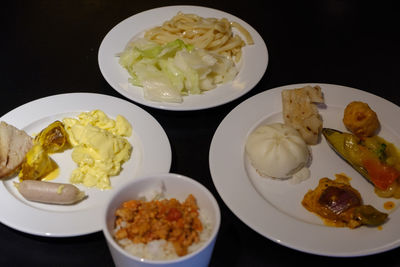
column 166, row 219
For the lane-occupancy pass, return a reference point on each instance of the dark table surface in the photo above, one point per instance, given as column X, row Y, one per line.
column 51, row 47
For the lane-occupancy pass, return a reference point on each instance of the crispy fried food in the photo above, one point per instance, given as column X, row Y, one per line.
column 360, row 119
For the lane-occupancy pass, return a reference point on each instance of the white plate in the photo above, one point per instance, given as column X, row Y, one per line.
column 275, row 211
column 151, row 153
column 251, row 68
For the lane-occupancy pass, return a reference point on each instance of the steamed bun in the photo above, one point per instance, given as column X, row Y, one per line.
column 277, row 150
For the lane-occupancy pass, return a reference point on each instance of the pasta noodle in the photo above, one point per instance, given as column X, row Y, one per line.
column 214, row 35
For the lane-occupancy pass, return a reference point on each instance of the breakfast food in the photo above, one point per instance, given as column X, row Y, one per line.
column 277, row 150
column 53, row 138
column 38, row 164
column 340, row 205
column 157, row 228
column 373, row 157
column 168, row 72
column 14, row 144
column 99, row 147
column 360, row 119
column 300, row 111
column 212, row 34
column 49, row 192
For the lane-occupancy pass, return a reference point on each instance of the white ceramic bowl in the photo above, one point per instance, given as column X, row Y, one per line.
column 174, row 186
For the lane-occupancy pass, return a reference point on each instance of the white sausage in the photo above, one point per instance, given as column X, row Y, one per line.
column 49, row 192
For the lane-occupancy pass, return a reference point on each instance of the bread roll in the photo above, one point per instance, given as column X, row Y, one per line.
column 14, row 144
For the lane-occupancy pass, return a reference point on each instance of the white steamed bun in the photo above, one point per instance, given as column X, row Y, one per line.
column 277, row 150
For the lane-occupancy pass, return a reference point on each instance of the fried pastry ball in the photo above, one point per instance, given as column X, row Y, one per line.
column 360, row 119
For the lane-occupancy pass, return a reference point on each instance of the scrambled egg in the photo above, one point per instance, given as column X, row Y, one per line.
column 99, row 147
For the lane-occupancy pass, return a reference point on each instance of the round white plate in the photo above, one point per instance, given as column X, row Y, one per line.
column 251, row 68
column 273, row 207
column 151, row 154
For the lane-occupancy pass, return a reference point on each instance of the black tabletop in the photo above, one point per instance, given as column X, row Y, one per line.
column 51, row 47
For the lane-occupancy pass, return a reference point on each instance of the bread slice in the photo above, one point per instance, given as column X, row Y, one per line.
column 300, row 111
column 14, row 144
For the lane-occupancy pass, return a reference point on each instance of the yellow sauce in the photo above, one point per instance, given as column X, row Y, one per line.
column 52, row 175
column 342, row 178
column 99, row 147
column 388, row 205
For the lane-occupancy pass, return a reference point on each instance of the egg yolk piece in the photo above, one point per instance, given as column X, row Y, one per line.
column 99, row 147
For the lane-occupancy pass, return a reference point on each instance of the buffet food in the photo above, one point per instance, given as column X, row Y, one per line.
column 212, row 34
column 371, row 155
column 38, row 165
column 300, row 111
column 186, row 55
column 14, row 144
column 99, row 147
column 341, row 205
column 50, row 192
column 277, row 150
column 360, row 119
column 160, row 228
column 280, row 150
column 168, row 72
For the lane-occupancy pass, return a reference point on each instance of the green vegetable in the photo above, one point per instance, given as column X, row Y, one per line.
column 368, row 215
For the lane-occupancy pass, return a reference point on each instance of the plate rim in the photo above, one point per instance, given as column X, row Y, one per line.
column 286, row 221
column 104, row 59
column 16, row 222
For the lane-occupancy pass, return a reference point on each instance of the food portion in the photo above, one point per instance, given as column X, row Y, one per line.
column 53, row 138
column 360, row 119
column 341, row 205
column 38, row 164
column 212, row 34
column 373, row 157
column 277, row 150
column 160, row 228
column 50, row 192
column 186, row 55
column 300, row 111
column 99, row 147
column 14, row 144
column 169, row 72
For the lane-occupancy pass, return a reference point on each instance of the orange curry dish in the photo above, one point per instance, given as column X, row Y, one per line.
column 144, row 221
column 341, row 205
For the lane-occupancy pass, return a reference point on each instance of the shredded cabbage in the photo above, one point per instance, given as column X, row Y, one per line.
column 169, row 72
